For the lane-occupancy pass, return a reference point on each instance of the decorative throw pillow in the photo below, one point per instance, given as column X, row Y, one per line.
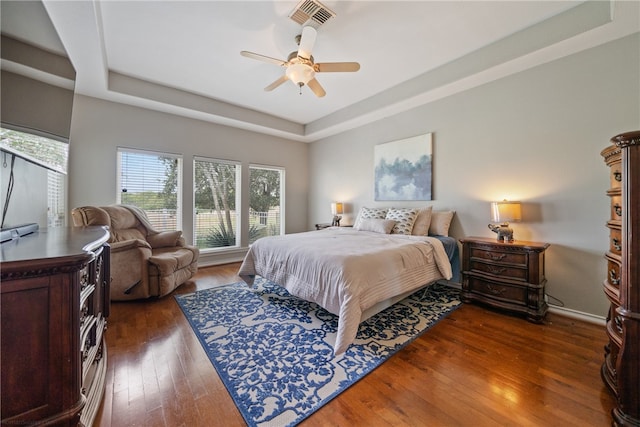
column 404, row 218
column 375, row 213
column 383, row 226
column 421, row 226
column 440, row 223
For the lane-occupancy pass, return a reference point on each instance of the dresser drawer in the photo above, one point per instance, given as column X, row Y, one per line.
column 614, row 325
column 498, row 256
column 615, row 175
column 614, row 270
column 616, row 208
column 507, row 292
column 499, row 270
column 615, row 240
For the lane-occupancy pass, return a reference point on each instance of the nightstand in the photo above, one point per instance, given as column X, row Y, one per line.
column 508, row 276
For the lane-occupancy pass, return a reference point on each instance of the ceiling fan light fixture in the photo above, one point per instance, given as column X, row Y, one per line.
column 300, row 74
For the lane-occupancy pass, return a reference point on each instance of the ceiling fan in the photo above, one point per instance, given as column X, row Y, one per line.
column 300, row 67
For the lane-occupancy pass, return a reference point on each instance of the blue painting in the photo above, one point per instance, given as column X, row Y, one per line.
column 403, row 169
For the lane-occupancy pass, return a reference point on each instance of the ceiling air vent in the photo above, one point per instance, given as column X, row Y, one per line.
column 311, row 12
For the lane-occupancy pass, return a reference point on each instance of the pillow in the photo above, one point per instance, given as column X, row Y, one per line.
column 404, row 218
column 440, row 223
column 421, row 226
column 383, row 226
column 375, row 213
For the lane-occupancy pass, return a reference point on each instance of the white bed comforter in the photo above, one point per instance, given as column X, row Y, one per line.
column 346, row 271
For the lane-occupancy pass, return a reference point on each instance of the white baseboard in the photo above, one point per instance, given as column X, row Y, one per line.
column 579, row 315
column 208, row 259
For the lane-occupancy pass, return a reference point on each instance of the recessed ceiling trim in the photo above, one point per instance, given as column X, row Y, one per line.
column 132, row 86
column 578, row 20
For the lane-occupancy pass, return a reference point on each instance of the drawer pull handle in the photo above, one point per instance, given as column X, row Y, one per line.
column 618, row 322
column 616, row 244
column 495, row 257
column 496, row 270
column 612, row 277
column 618, row 209
column 496, row 291
column 617, row 175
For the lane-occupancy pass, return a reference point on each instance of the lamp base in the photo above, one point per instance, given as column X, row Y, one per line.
column 505, row 233
column 336, row 221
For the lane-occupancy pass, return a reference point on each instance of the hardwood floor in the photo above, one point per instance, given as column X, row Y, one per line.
column 474, row 368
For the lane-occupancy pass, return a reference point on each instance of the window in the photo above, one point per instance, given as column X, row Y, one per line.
column 56, row 206
column 45, row 152
column 216, row 186
column 40, row 150
column 152, row 182
column 266, row 203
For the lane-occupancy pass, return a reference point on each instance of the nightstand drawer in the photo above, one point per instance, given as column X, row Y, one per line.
column 497, row 256
column 499, row 270
column 511, row 293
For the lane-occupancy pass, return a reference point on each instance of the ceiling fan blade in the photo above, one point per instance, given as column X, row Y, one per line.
column 316, row 88
column 277, row 83
column 330, row 67
column 307, row 40
column 263, row 58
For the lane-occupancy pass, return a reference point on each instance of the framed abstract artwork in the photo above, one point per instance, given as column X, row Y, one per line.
column 403, row 169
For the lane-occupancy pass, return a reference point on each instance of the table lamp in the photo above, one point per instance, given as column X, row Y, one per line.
column 503, row 212
column 336, row 210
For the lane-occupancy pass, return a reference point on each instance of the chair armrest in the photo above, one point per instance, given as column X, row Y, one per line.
column 128, row 244
column 164, row 239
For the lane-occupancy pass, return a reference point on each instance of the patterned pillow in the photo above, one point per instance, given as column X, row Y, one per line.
column 404, row 218
column 375, row 213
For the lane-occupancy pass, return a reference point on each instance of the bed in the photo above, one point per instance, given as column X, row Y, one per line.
column 351, row 272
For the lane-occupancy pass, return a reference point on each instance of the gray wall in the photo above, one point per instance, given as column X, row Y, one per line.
column 99, row 127
column 535, row 136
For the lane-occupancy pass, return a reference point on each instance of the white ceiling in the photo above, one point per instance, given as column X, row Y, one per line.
column 184, row 57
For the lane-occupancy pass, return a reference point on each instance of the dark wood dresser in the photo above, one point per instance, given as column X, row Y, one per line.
column 621, row 367
column 505, row 275
column 54, row 305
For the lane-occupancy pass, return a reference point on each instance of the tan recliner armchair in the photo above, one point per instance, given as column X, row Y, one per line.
column 144, row 262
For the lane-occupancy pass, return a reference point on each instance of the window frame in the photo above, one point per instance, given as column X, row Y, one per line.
column 179, row 173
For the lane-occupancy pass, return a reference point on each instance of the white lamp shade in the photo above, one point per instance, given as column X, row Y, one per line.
column 506, row 211
column 336, row 208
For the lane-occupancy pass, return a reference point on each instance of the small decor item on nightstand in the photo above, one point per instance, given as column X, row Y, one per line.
column 503, row 212
column 336, row 210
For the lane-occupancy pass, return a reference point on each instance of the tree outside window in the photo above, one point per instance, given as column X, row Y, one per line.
column 216, row 201
column 265, row 202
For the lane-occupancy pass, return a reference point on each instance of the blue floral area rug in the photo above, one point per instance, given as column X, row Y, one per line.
column 274, row 351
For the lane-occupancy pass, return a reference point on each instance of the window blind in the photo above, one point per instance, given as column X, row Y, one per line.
column 152, row 182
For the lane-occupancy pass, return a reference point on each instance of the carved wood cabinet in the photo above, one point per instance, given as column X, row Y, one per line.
column 54, row 306
column 621, row 367
column 505, row 275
